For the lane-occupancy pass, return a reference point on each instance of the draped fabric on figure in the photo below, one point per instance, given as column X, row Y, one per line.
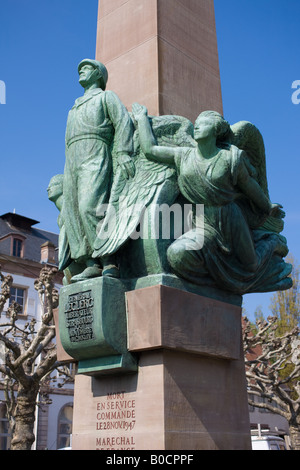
column 95, row 123
column 229, row 243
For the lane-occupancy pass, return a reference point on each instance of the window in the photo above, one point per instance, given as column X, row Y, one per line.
column 263, row 400
column 65, row 419
column 17, row 247
column 18, row 294
column 13, row 244
column 4, row 429
column 252, row 398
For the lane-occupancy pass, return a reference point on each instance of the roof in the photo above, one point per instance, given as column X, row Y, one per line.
column 15, row 224
column 19, row 220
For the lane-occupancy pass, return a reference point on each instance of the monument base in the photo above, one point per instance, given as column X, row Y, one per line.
column 190, row 389
column 115, row 364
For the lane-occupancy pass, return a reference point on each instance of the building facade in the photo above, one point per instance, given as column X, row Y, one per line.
column 24, row 250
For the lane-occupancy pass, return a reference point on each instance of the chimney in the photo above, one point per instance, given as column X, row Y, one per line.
column 48, row 253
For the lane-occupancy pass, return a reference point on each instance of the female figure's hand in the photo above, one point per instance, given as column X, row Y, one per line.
column 139, row 111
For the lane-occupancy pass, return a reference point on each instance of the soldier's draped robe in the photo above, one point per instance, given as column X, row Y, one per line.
column 97, row 123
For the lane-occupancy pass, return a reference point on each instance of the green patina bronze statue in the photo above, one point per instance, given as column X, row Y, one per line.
column 225, row 170
column 121, row 167
column 99, row 130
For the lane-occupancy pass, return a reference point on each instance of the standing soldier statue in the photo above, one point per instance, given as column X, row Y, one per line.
column 98, row 127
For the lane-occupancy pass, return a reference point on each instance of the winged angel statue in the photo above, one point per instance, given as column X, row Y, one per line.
column 240, row 248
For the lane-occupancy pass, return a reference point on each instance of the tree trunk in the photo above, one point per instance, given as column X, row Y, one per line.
column 295, row 437
column 23, row 435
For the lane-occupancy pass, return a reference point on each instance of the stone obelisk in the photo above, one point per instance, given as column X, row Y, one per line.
column 189, row 388
column 162, row 54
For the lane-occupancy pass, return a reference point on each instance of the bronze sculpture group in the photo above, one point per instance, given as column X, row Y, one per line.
column 120, row 166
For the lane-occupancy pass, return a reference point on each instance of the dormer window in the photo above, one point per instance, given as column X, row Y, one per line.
column 17, row 246
column 13, row 244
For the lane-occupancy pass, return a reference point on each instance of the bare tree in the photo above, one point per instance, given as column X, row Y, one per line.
column 273, row 370
column 29, row 357
column 285, row 305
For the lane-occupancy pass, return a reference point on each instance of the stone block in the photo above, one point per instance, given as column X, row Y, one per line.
column 62, row 355
column 177, row 401
column 164, row 317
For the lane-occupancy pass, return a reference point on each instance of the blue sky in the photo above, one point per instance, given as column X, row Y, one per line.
column 41, row 43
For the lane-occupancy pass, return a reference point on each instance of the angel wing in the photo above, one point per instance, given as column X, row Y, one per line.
column 247, row 137
column 130, row 197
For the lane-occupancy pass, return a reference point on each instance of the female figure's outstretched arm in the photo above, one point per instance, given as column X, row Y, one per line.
column 147, row 140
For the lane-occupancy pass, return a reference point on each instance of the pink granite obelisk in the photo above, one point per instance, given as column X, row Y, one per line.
column 162, row 54
column 189, row 391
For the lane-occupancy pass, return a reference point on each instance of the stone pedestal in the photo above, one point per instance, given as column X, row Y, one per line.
column 189, row 391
